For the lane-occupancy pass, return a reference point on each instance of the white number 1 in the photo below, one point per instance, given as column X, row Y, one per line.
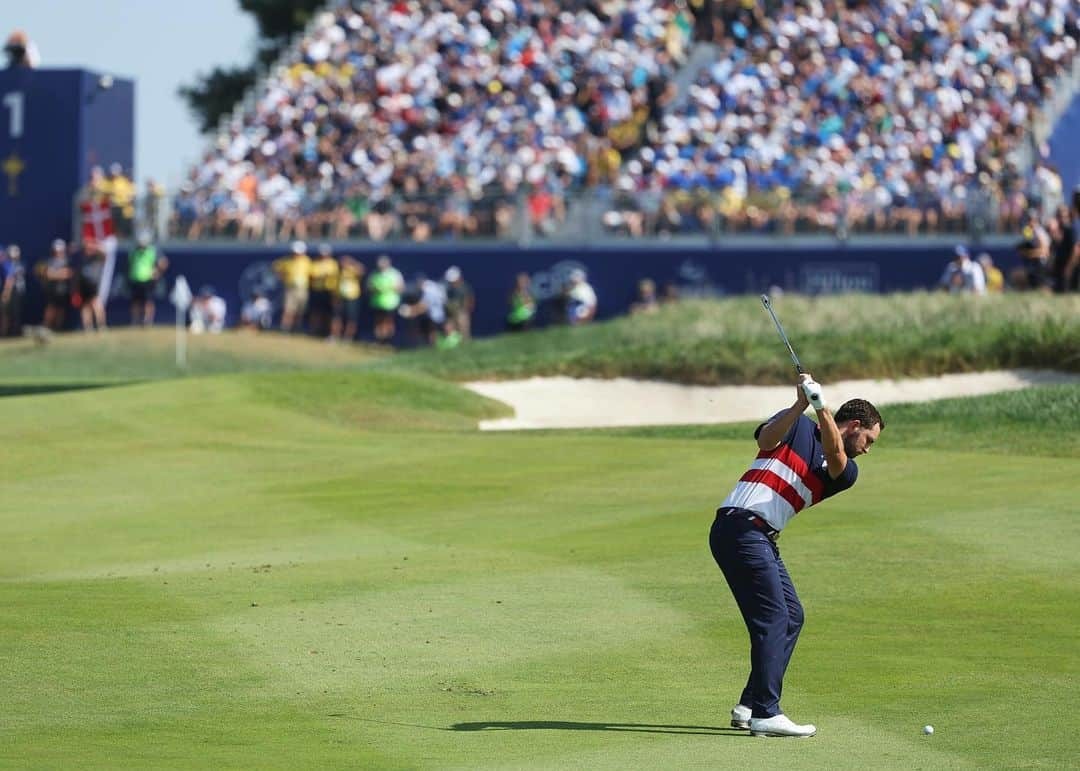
column 14, row 102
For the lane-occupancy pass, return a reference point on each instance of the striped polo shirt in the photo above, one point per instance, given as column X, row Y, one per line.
column 787, row 479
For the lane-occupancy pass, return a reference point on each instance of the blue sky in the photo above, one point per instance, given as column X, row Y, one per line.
column 160, row 44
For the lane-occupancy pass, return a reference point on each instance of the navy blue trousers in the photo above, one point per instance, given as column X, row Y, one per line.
column 767, row 600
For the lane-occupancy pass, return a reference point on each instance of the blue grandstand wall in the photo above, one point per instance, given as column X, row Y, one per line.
column 613, row 270
column 55, row 126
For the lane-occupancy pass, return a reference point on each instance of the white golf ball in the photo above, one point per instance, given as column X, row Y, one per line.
column 928, row 729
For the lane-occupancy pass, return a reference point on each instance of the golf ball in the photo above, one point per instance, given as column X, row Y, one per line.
column 928, row 729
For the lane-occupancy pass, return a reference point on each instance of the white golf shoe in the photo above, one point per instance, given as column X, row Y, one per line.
column 779, row 725
column 740, row 717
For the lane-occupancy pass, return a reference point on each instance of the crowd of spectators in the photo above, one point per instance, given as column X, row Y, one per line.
column 324, row 296
column 902, row 115
column 453, row 118
column 1049, row 252
column 408, row 119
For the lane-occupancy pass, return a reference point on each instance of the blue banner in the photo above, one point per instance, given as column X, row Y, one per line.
column 614, row 271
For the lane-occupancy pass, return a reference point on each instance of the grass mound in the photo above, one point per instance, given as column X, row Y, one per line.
column 128, row 354
column 733, row 341
column 242, row 407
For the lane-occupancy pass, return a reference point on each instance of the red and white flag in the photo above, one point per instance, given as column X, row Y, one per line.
column 97, row 226
column 97, row 221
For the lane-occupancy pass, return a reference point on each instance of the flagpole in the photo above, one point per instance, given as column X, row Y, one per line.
column 181, row 340
column 181, row 298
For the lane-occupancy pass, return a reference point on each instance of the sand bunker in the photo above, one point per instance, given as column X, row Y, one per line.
column 564, row 402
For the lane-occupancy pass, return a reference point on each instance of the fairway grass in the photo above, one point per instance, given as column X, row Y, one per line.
column 303, row 571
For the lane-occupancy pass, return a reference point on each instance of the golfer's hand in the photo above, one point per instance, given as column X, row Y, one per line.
column 812, row 391
column 801, row 402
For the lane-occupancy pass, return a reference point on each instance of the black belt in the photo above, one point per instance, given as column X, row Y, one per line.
column 770, row 532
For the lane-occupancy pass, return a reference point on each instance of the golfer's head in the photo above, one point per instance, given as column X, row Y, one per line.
column 860, row 425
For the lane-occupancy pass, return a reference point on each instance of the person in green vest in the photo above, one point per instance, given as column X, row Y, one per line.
column 385, row 286
column 146, row 266
column 522, row 305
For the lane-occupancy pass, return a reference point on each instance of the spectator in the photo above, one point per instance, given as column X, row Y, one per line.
column 995, row 280
column 580, row 299
column 121, row 200
column 152, row 198
column 146, row 266
column 347, row 305
column 12, row 292
column 21, row 51
column 207, row 312
column 1034, row 251
column 963, row 275
column 257, row 314
column 646, row 301
column 385, row 286
column 460, row 301
column 88, row 297
column 1062, row 249
column 324, row 285
column 295, row 273
column 522, row 305
column 57, row 281
column 429, row 309
column 1047, row 190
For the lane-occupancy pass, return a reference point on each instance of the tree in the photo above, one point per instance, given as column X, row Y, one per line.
column 213, row 95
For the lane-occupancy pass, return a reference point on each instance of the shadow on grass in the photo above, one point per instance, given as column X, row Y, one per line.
column 564, row 725
column 32, row 389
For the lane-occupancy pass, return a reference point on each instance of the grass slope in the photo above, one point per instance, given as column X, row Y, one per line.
column 733, row 341
column 224, row 572
column 127, row 354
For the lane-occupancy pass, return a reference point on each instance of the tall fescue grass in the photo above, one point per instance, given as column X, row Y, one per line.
column 734, row 341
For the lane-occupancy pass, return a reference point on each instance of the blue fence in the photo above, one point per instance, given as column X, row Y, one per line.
column 614, row 272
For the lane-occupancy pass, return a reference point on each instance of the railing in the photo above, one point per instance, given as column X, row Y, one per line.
column 526, row 217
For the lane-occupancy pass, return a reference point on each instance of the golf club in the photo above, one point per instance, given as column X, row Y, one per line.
column 783, row 336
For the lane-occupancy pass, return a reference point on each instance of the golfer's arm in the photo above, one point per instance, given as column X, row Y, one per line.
column 835, row 456
column 773, row 433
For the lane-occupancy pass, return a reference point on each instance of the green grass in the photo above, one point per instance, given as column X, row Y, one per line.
column 292, row 570
column 129, row 354
column 734, row 341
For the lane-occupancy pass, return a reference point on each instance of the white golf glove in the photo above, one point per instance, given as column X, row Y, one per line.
column 814, row 394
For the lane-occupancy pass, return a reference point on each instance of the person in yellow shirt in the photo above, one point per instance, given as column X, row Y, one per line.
column 121, row 199
column 324, row 286
column 295, row 273
column 995, row 279
column 347, row 305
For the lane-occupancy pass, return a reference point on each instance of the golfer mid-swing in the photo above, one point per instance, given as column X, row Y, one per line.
column 800, row 463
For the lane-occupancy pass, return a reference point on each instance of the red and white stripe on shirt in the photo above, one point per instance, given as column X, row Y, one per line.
column 778, row 486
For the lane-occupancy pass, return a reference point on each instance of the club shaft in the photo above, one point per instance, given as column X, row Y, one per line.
column 783, row 335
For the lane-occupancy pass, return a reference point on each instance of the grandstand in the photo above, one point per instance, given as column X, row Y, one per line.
column 711, row 147
column 458, row 119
